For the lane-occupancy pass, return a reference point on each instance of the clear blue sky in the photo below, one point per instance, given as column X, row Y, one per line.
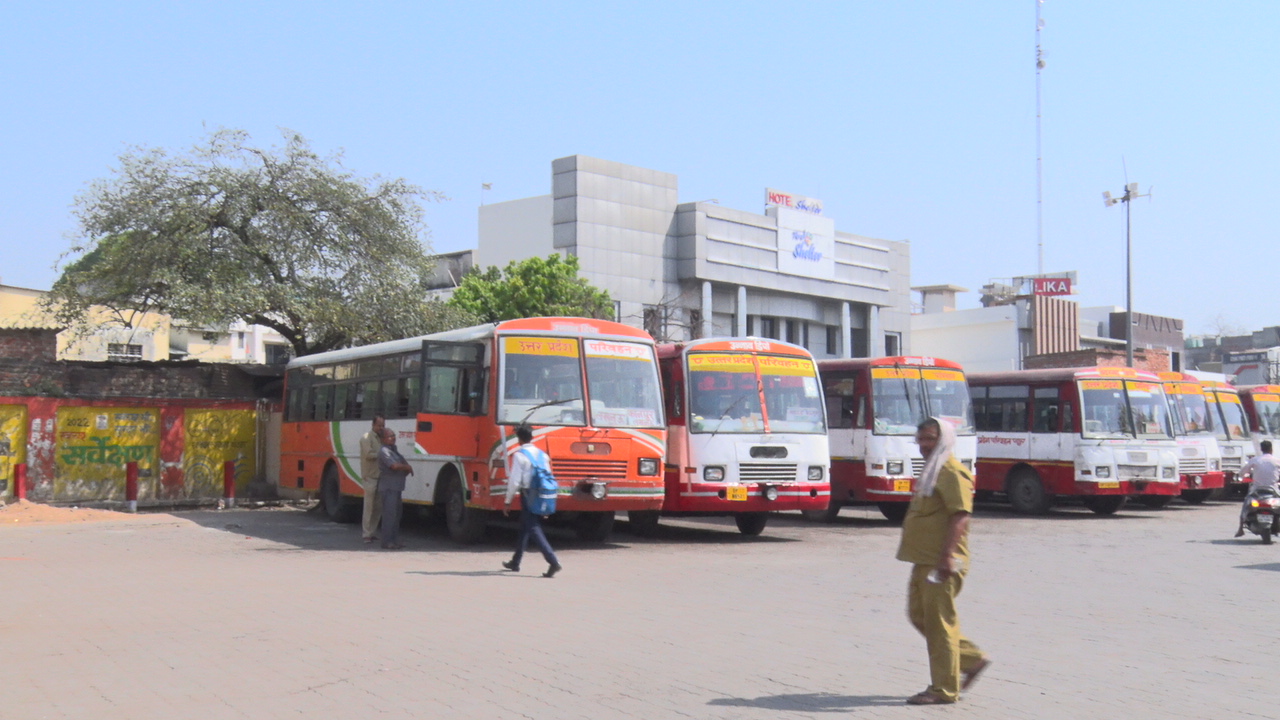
column 911, row 120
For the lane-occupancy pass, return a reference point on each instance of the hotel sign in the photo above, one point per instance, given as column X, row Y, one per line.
column 806, row 243
column 794, row 202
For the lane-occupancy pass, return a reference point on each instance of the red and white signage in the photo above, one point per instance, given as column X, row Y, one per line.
column 1051, row 286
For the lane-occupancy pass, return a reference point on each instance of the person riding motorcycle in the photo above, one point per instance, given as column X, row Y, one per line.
column 1262, row 468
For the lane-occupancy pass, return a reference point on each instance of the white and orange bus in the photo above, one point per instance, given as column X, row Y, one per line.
column 873, row 407
column 746, row 431
column 1262, row 408
column 1199, row 455
column 1100, row 434
column 1232, row 430
column 588, row 387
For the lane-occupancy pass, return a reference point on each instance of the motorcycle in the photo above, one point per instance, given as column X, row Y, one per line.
column 1263, row 516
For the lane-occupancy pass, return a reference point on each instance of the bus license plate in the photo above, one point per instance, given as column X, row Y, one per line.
column 737, row 492
column 1109, row 485
column 902, row 486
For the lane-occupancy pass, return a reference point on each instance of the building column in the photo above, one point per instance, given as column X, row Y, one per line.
column 704, row 327
column 846, row 331
column 875, row 336
column 742, row 311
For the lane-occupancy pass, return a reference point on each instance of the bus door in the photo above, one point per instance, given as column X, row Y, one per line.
column 1047, row 439
column 446, row 436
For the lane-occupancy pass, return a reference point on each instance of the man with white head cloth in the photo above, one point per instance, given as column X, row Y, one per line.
column 935, row 541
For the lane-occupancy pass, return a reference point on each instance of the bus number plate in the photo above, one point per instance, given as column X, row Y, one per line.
column 736, row 492
column 1108, row 485
column 902, row 486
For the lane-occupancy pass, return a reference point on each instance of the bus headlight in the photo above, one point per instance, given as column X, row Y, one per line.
column 769, row 492
column 1102, row 471
column 815, row 473
column 713, row 473
column 894, row 467
column 647, row 466
column 1166, row 473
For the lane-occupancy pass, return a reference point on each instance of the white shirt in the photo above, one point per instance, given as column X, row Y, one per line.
column 520, row 470
column 1262, row 468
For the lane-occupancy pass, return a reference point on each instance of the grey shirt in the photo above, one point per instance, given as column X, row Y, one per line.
column 390, row 480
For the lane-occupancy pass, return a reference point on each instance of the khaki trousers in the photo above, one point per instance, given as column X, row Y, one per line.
column 932, row 610
column 372, row 508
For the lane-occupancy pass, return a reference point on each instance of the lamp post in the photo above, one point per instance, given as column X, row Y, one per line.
column 1130, row 192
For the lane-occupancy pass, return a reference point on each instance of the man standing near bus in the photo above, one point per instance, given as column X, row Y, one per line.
column 935, row 541
column 370, row 444
column 519, row 474
column 392, row 470
column 1262, row 470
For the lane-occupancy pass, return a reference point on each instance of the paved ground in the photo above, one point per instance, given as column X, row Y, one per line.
column 276, row 613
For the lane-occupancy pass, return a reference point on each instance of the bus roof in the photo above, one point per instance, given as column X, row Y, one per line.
column 851, row 364
column 1251, row 389
column 1218, row 385
column 1059, row 375
column 732, row 345
column 556, row 326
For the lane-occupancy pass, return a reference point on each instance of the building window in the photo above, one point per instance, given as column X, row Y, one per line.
column 892, row 344
column 751, row 326
column 123, row 352
column 858, row 343
column 695, row 324
column 769, row 328
column 209, row 337
column 833, row 340
column 793, row 331
column 277, row 354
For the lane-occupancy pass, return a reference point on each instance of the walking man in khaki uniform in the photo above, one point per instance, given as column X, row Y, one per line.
column 370, row 444
column 935, row 541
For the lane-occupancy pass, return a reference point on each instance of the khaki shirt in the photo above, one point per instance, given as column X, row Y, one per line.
column 924, row 531
column 370, row 444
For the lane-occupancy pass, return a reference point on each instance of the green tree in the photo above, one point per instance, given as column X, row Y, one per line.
column 536, row 287
column 276, row 236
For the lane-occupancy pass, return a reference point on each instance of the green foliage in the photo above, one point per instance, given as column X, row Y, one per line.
column 279, row 237
column 536, row 287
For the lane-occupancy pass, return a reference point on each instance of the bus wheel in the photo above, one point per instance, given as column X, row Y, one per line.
column 826, row 515
column 466, row 524
column 594, row 526
column 643, row 522
column 1195, row 497
column 1155, row 501
column 336, row 507
column 1105, row 504
column 751, row 523
column 1027, row 495
column 894, row 512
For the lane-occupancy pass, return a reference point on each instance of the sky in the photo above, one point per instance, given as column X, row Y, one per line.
column 909, row 120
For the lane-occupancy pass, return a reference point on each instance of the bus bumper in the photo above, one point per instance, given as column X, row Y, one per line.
column 1203, row 481
column 760, row 497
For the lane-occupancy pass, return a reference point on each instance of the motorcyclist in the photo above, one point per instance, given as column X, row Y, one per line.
column 1262, row 468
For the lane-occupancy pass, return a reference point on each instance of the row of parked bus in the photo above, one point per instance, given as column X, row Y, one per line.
column 742, row 426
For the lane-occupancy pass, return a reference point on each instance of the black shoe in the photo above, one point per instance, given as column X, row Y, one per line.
column 551, row 571
column 511, row 565
column 1240, row 532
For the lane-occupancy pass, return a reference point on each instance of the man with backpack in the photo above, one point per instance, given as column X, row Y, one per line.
column 528, row 468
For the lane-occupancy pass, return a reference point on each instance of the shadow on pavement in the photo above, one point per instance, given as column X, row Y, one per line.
column 1273, row 567
column 811, row 702
column 699, row 531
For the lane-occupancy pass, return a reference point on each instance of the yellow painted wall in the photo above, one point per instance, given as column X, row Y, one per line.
column 13, row 444
column 213, row 437
column 93, row 445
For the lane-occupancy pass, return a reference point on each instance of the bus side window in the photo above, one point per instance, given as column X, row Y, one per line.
column 1068, row 417
column 340, row 393
column 1046, row 410
column 841, row 410
column 471, row 400
column 442, row 389
column 978, row 396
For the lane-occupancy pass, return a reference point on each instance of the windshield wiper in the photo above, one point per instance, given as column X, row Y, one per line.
column 725, row 415
column 548, row 403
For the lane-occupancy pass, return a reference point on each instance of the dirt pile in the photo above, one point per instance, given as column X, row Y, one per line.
column 23, row 512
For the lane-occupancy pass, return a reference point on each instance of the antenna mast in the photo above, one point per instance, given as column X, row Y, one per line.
column 1039, row 156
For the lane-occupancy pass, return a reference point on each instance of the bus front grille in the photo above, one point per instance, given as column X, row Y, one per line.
column 1188, row 466
column 574, row 470
column 1232, row 464
column 760, row 472
column 1128, row 472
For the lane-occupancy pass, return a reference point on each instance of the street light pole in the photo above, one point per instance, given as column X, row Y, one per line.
column 1130, row 192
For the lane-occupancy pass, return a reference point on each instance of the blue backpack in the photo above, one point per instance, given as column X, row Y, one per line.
column 540, row 496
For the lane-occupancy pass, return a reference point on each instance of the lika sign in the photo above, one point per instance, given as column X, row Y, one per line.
column 1051, row 286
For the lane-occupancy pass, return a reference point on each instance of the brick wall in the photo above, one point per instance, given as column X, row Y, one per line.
column 169, row 380
column 29, row 344
column 1149, row 359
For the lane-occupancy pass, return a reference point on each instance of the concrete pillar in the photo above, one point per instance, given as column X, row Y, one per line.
column 846, row 331
column 742, row 310
column 875, row 336
column 704, row 330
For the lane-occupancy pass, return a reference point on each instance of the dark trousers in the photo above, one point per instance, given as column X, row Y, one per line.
column 530, row 526
column 391, row 505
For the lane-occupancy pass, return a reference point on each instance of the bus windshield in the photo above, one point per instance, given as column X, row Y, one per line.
column 1232, row 425
column 541, row 382
column 791, row 395
column 1148, row 410
column 622, row 379
column 1104, row 408
column 1268, row 409
column 898, row 399
column 724, row 394
column 949, row 398
column 1191, row 413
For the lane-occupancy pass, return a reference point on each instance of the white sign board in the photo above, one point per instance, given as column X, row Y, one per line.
column 792, row 201
column 806, row 244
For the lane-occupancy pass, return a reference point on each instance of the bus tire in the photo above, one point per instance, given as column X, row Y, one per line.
column 894, row 512
column 826, row 515
column 1026, row 493
column 643, row 523
column 336, row 507
column 594, row 526
column 751, row 524
column 1195, row 497
column 1105, row 504
column 1155, row 502
column 466, row 524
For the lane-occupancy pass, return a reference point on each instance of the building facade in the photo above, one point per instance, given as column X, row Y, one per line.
column 684, row 270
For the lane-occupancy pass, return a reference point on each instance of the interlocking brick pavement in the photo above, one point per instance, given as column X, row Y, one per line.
column 279, row 614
